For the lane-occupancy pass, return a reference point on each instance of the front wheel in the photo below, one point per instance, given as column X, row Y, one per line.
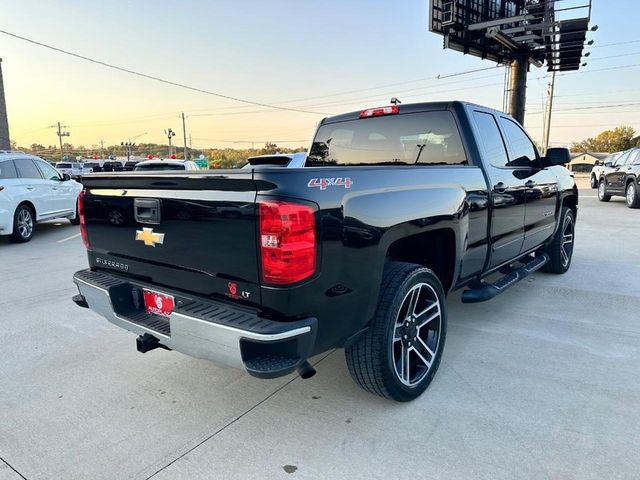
column 631, row 195
column 594, row 181
column 602, row 192
column 400, row 353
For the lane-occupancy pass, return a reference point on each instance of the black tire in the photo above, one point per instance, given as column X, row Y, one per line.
column 631, row 195
column 75, row 221
column 372, row 359
column 561, row 252
column 594, row 181
column 603, row 196
column 24, row 222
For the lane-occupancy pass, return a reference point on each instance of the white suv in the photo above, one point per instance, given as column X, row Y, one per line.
column 31, row 190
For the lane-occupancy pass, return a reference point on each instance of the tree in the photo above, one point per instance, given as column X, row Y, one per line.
column 620, row 138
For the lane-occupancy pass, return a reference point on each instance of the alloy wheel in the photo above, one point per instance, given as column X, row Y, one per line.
column 567, row 241
column 631, row 194
column 25, row 223
column 601, row 190
column 416, row 334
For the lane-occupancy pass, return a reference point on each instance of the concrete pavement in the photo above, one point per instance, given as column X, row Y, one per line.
column 541, row 382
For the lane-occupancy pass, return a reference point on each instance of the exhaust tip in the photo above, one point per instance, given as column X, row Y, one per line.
column 305, row 370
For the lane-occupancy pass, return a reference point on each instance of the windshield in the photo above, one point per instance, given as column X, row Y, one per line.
column 159, row 166
column 428, row 138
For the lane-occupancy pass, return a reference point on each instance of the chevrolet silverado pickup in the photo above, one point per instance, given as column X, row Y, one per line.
column 264, row 268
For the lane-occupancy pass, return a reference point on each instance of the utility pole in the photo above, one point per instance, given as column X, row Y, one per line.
column 61, row 134
column 518, row 88
column 5, row 143
column 170, row 134
column 184, row 136
column 101, row 148
column 547, row 114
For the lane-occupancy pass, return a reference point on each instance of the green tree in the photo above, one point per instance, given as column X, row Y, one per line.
column 620, row 138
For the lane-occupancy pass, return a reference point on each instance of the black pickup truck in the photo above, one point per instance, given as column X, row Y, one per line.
column 264, row 268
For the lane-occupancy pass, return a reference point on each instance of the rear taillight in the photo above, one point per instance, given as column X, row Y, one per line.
column 380, row 111
column 83, row 223
column 287, row 242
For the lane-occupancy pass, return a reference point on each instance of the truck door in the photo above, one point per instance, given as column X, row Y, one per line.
column 508, row 196
column 541, row 185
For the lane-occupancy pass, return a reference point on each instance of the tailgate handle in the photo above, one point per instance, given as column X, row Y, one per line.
column 146, row 210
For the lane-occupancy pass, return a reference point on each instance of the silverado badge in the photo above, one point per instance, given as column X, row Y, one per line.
column 149, row 238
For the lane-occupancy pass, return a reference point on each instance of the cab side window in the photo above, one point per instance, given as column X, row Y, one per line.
column 48, row 171
column 491, row 139
column 26, row 168
column 523, row 152
column 8, row 169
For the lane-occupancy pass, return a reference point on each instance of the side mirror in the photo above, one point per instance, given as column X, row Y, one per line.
column 66, row 177
column 556, row 156
column 597, row 163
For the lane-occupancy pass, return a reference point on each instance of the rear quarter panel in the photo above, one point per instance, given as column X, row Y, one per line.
column 356, row 226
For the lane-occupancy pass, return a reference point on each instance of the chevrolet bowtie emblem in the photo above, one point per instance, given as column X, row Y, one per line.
column 149, row 238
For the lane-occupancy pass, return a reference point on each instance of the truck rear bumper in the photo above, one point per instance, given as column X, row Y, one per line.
column 200, row 327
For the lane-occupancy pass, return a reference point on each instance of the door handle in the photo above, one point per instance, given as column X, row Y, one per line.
column 499, row 187
column 530, row 184
column 30, row 188
column 54, row 188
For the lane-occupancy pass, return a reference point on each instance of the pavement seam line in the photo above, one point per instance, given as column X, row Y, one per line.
column 249, row 410
column 11, row 467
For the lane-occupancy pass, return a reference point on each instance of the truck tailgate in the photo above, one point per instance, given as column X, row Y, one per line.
column 195, row 232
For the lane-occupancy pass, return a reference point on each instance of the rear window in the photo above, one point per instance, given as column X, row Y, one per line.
column 8, row 169
column 428, row 138
column 63, row 165
column 159, row 166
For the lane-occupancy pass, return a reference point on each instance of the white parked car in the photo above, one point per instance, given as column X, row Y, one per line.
column 73, row 169
column 159, row 165
column 598, row 169
column 31, row 190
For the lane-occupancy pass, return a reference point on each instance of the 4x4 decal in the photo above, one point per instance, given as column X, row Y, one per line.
column 324, row 183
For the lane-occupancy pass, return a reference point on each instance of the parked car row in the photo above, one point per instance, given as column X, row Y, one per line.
column 619, row 175
column 31, row 190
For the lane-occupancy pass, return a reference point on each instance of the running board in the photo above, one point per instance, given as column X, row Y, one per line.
column 486, row 291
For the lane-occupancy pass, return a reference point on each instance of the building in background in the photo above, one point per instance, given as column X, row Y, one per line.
column 584, row 162
column 5, row 143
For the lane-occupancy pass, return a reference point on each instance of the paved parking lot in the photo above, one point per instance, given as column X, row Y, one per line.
column 541, row 382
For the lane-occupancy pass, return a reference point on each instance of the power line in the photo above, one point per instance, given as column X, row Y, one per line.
column 157, row 79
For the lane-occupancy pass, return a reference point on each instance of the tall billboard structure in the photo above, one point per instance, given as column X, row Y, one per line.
column 5, row 143
column 515, row 32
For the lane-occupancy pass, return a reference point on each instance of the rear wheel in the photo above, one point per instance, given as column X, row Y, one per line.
column 561, row 249
column 23, row 224
column 594, row 181
column 400, row 353
column 631, row 195
column 602, row 191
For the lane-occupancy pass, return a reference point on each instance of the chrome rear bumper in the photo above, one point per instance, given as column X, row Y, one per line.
column 202, row 328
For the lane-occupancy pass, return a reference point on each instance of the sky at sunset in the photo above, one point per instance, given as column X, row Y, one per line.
column 325, row 57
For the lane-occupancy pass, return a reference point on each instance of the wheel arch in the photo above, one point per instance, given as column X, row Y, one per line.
column 31, row 206
column 435, row 249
